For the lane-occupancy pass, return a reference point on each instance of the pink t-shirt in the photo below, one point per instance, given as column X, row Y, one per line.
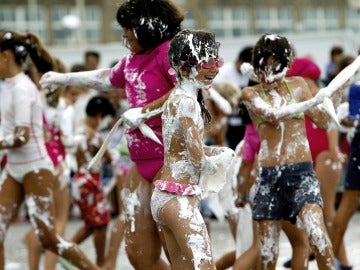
column 145, row 78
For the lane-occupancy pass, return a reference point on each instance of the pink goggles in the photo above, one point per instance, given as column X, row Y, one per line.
column 213, row 62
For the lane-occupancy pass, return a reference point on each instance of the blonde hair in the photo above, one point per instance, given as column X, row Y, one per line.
column 229, row 91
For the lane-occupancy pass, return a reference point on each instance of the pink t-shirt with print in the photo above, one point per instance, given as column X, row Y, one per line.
column 145, row 78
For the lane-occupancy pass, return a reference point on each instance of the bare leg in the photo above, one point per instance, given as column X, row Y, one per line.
column 300, row 246
column 62, row 203
column 117, row 233
column 186, row 235
column 34, row 249
column 38, row 187
column 329, row 176
column 117, row 230
column 348, row 205
column 250, row 259
column 81, row 235
column 61, row 200
column 312, row 219
column 226, row 261
column 100, row 244
column 11, row 196
column 142, row 254
column 269, row 234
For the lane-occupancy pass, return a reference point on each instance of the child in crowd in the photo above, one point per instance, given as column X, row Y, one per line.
column 148, row 26
column 29, row 170
column 86, row 186
column 286, row 186
column 175, row 200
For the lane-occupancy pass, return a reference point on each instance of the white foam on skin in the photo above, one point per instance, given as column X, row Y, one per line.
column 96, row 79
column 38, row 214
column 221, row 102
column 63, row 245
column 270, row 246
column 317, row 237
column 5, row 220
column 130, row 202
column 198, row 244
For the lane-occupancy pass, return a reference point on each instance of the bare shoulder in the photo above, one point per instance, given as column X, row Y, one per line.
column 299, row 87
column 248, row 93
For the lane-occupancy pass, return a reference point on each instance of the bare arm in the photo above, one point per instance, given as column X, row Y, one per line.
column 193, row 142
column 263, row 110
column 19, row 138
column 96, row 79
column 154, row 108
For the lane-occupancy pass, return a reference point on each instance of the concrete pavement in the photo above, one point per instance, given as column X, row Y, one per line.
column 16, row 253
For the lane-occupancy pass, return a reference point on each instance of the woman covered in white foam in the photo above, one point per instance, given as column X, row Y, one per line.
column 286, row 186
column 29, row 170
column 176, row 197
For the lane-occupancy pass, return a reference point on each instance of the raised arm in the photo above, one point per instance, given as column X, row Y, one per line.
column 256, row 104
column 95, row 79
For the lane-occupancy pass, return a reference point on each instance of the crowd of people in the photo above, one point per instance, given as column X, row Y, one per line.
column 178, row 127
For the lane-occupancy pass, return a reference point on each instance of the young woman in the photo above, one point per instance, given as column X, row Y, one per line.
column 148, row 26
column 29, row 169
column 175, row 200
column 286, row 186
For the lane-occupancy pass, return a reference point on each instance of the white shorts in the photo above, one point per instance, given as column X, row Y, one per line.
column 18, row 171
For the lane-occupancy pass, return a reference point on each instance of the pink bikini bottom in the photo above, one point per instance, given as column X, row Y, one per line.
column 177, row 188
column 167, row 190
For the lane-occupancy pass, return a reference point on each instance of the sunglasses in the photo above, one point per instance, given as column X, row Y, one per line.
column 213, row 62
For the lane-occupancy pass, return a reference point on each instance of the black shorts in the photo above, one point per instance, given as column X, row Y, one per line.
column 352, row 180
column 281, row 191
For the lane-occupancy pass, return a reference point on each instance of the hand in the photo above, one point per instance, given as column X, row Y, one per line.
column 242, row 195
column 336, row 158
column 51, row 80
column 322, row 94
column 246, row 68
column 133, row 117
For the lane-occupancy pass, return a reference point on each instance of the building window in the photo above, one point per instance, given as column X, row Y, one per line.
column 353, row 20
column 21, row 19
column 189, row 21
column 228, row 22
column 320, row 19
column 279, row 20
column 87, row 30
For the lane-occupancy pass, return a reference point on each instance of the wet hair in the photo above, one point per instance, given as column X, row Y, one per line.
column 187, row 49
column 190, row 47
column 272, row 45
column 28, row 44
column 100, row 104
column 152, row 21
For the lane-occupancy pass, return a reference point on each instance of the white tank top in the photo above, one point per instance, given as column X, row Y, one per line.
column 21, row 106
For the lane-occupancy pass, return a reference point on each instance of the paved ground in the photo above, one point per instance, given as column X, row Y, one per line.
column 221, row 240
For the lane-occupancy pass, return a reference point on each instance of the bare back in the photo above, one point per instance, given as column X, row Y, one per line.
column 183, row 130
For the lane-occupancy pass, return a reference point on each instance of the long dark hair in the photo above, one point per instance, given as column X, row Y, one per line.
column 28, row 44
column 153, row 21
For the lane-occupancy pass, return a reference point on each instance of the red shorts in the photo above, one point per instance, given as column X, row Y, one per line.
column 95, row 210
